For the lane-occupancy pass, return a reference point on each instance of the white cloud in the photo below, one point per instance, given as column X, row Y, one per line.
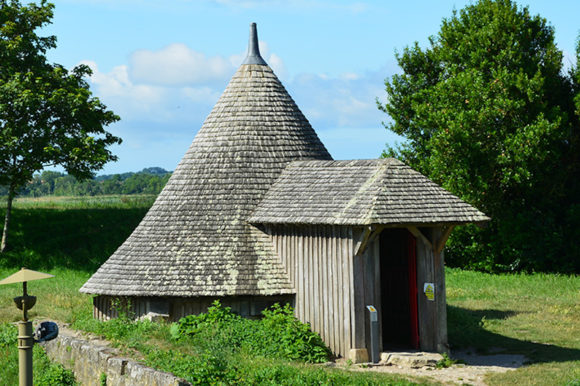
column 170, row 84
column 146, row 102
column 357, row 143
column 177, row 65
column 115, row 88
column 278, row 66
column 164, row 96
column 349, row 76
column 200, row 94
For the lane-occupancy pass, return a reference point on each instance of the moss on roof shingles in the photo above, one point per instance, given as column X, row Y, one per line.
column 195, row 240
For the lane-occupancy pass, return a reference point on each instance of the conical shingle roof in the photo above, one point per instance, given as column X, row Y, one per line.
column 195, row 240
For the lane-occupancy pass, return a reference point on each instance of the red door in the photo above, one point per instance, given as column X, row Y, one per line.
column 412, row 252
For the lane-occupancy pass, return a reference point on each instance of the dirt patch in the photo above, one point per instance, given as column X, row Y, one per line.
column 472, row 372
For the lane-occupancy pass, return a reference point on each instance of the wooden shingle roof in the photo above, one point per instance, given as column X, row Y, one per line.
column 360, row 192
column 195, row 240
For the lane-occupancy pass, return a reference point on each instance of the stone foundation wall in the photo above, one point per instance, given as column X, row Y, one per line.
column 90, row 360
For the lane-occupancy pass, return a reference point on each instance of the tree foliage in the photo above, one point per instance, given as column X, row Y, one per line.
column 488, row 113
column 48, row 115
column 51, row 183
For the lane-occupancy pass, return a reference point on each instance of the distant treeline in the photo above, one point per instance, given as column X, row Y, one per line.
column 50, row 183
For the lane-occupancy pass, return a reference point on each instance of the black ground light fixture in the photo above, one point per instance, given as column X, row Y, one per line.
column 25, row 337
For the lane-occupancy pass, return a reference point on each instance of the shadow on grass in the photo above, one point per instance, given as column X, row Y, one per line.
column 466, row 330
column 79, row 239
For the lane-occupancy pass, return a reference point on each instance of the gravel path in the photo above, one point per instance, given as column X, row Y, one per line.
column 473, row 372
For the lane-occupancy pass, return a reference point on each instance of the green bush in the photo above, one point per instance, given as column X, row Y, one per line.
column 206, row 368
column 8, row 334
column 282, row 333
column 55, row 374
column 277, row 335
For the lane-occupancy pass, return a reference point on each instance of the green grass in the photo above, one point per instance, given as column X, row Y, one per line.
column 537, row 315
column 215, row 355
column 44, row 371
column 69, row 237
column 77, row 233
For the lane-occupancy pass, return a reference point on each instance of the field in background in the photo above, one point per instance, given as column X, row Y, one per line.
column 77, row 233
column 115, row 201
column 535, row 315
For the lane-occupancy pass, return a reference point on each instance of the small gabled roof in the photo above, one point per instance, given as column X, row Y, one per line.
column 360, row 192
column 195, row 240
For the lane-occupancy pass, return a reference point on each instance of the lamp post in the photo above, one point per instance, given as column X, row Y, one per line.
column 25, row 303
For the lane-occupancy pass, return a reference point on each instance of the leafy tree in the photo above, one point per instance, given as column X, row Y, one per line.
column 488, row 113
column 51, row 183
column 47, row 113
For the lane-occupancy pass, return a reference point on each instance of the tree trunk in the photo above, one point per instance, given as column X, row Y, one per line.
column 4, row 245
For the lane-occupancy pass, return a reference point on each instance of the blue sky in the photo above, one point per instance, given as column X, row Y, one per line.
column 162, row 65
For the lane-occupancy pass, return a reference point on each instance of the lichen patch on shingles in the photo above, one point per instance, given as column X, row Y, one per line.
column 195, row 239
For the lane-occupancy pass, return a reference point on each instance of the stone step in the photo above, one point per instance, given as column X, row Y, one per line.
column 413, row 359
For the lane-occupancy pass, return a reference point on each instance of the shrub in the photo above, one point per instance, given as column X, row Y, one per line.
column 8, row 334
column 277, row 335
column 218, row 331
column 55, row 374
column 290, row 338
column 206, row 368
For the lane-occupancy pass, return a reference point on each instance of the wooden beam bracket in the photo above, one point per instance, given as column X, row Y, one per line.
column 418, row 234
column 362, row 241
column 367, row 237
column 443, row 239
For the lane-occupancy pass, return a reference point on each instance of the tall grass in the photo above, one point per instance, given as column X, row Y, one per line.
column 77, row 233
column 69, row 237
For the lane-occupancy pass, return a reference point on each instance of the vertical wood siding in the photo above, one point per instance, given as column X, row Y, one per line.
column 432, row 314
column 319, row 262
column 107, row 307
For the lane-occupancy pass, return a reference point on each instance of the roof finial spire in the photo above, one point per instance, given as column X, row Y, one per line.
column 253, row 56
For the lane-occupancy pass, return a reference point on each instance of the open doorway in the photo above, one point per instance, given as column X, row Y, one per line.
column 398, row 259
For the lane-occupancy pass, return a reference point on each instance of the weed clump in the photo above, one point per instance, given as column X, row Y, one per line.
column 277, row 335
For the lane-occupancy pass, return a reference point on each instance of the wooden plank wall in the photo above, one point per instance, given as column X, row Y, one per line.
column 441, row 344
column 247, row 306
column 432, row 314
column 319, row 262
column 107, row 307
column 372, row 290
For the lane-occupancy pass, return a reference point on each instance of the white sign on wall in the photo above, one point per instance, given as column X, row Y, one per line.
column 429, row 290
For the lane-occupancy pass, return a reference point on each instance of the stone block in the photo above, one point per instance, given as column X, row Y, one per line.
column 358, row 355
column 411, row 359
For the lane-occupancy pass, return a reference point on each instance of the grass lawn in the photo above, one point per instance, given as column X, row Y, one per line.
column 535, row 315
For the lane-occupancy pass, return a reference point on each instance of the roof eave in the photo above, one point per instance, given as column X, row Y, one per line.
column 479, row 222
